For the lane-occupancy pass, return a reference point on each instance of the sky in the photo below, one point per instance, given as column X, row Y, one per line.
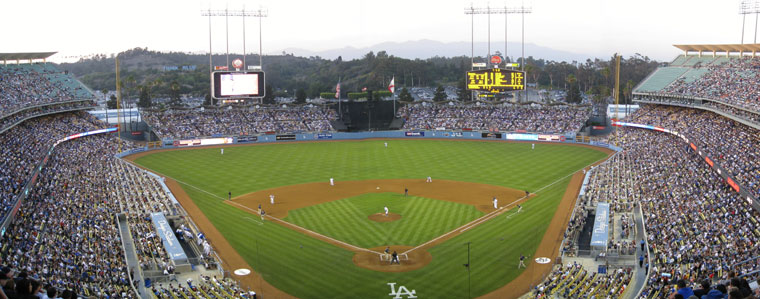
column 597, row 28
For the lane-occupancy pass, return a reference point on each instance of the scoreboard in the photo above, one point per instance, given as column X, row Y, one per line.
column 495, row 80
column 248, row 84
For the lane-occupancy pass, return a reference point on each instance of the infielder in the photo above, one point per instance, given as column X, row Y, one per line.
column 519, row 208
column 271, row 198
column 522, row 264
column 495, row 203
column 386, row 211
column 429, row 180
column 262, row 215
column 332, row 182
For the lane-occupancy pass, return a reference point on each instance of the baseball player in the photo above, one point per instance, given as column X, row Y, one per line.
column 332, row 182
column 532, row 146
column 406, row 192
column 222, row 151
column 394, row 258
column 519, row 208
column 495, row 203
column 429, row 180
column 271, row 198
column 522, row 264
column 386, row 211
column 229, row 195
column 386, row 144
column 262, row 215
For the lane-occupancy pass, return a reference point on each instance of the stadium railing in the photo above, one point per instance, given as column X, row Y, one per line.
column 699, row 103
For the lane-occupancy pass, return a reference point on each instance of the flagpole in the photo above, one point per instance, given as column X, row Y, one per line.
column 393, row 96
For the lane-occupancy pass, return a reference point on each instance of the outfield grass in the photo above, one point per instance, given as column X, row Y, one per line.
column 347, row 219
column 309, row 268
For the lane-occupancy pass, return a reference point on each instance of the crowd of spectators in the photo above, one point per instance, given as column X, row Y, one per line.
column 206, row 287
column 702, row 235
column 24, row 146
column 574, row 281
column 731, row 144
column 65, row 233
column 238, row 121
column 735, row 82
column 557, row 119
column 24, row 85
column 698, row 228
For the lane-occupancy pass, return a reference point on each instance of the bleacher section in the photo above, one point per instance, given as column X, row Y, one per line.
column 661, row 78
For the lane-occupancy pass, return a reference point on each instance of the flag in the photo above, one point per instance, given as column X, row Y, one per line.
column 392, row 86
column 337, row 91
column 364, row 89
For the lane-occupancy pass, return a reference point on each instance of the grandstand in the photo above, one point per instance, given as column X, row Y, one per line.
column 725, row 83
column 37, row 88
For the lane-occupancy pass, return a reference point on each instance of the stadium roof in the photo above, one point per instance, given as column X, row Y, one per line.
column 26, row 56
column 727, row 48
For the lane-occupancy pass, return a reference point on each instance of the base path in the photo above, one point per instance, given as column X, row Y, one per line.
column 303, row 195
column 549, row 246
column 230, row 258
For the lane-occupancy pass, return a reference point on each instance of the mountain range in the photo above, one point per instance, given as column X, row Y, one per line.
column 423, row 49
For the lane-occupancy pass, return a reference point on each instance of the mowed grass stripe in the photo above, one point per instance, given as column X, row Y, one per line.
column 321, row 270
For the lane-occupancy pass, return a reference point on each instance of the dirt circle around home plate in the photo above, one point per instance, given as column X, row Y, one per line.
column 416, row 259
column 380, row 217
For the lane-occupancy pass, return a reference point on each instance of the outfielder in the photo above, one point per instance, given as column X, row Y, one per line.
column 271, row 198
column 332, row 182
column 495, row 203
column 386, row 211
column 532, row 146
column 222, row 151
column 386, row 144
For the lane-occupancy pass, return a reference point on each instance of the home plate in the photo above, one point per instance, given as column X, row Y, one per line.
column 242, row 272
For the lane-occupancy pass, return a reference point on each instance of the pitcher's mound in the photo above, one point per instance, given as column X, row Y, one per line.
column 380, row 217
column 412, row 261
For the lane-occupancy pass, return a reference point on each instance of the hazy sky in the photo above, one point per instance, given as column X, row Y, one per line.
column 590, row 27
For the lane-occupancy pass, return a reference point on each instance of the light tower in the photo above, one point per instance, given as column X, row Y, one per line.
column 226, row 13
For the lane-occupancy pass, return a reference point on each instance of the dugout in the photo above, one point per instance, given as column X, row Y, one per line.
column 600, row 234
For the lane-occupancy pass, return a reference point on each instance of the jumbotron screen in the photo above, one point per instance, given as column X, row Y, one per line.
column 238, row 84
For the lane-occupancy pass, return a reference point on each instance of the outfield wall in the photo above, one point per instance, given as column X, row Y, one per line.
column 568, row 138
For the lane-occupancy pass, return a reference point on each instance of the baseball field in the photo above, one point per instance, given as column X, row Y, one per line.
column 323, row 241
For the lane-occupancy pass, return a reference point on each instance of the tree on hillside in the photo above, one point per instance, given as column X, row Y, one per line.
column 269, row 96
column 144, row 98
column 573, row 93
column 405, row 96
column 174, row 97
column 440, row 94
column 207, row 100
column 111, row 104
column 300, row 96
column 463, row 95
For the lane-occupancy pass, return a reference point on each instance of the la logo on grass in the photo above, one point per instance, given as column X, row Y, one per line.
column 402, row 291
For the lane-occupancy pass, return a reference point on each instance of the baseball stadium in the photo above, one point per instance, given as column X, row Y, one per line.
column 641, row 183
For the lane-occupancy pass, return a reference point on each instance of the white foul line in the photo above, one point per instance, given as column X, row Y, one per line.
column 307, row 230
column 495, row 213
